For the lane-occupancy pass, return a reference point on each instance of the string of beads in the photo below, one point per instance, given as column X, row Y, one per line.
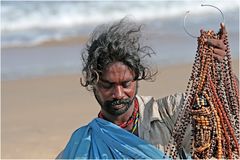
column 211, row 106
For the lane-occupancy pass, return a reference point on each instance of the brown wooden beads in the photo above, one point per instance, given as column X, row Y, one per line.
column 210, row 108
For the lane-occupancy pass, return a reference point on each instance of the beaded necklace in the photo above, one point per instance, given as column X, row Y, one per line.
column 135, row 123
column 132, row 119
column 211, row 106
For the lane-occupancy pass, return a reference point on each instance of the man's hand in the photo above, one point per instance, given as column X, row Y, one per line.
column 219, row 50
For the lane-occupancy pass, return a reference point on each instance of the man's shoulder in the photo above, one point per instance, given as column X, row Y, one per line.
column 168, row 104
column 85, row 128
column 79, row 131
column 169, row 98
column 91, row 125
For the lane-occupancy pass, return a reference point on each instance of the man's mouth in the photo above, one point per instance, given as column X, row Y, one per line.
column 118, row 106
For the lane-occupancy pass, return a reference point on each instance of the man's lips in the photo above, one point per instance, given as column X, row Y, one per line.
column 119, row 106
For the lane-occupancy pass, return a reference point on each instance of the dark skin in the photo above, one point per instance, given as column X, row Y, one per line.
column 117, row 82
column 219, row 46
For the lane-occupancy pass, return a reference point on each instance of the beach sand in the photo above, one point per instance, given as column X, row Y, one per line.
column 40, row 114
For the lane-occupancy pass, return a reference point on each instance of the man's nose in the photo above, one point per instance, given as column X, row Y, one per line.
column 118, row 92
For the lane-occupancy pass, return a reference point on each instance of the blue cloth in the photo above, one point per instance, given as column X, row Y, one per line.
column 101, row 139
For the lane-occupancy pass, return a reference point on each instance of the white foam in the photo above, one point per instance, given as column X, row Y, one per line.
column 33, row 18
column 63, row 15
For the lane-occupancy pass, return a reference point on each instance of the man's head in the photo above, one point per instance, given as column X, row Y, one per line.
column 112, row 65
column 116, row 89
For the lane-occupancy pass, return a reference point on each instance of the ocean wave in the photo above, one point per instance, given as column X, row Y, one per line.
column 26, row 22
column 39, row 15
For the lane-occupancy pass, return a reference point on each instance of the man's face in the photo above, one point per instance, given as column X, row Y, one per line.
column 116, row 89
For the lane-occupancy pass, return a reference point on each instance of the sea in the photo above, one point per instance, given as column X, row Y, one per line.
column 26, row 24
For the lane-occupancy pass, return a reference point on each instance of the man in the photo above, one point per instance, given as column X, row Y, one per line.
column 128, row 125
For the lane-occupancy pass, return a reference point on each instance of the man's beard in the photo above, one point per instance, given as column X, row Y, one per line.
column 111, row 106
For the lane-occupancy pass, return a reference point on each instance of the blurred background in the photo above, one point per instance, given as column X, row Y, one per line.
column 27, row 24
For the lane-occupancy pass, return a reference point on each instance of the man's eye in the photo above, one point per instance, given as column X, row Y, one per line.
column 106, row 85
column 126, row 84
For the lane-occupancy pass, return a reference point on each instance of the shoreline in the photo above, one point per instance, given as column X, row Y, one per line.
column 67, row 41
column 235, row 62
column 64, row 57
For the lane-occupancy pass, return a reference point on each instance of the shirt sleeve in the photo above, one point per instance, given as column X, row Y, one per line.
column 169, row 108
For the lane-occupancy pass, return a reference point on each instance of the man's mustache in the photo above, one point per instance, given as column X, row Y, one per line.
column 126, row 101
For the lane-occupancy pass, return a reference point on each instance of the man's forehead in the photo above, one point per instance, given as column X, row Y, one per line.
column 116, row 77
column 112, row 81
column 118, row 71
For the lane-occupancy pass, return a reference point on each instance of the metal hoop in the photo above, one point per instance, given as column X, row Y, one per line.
column 202, row 5
column 223, row 19
column 184, row 25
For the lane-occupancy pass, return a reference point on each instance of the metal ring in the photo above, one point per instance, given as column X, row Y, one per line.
column 184, row 25
column 223, row 19
column 202, row 5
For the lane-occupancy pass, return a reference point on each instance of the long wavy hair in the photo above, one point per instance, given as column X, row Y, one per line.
column 117, row 42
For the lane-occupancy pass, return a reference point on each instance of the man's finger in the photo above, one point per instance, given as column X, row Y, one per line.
column 219, row 52
column 223, row 28
column 223, row 31
column 219, row 58
column 216, row 43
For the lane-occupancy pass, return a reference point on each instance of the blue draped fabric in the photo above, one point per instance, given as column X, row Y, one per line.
column 101, row 139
